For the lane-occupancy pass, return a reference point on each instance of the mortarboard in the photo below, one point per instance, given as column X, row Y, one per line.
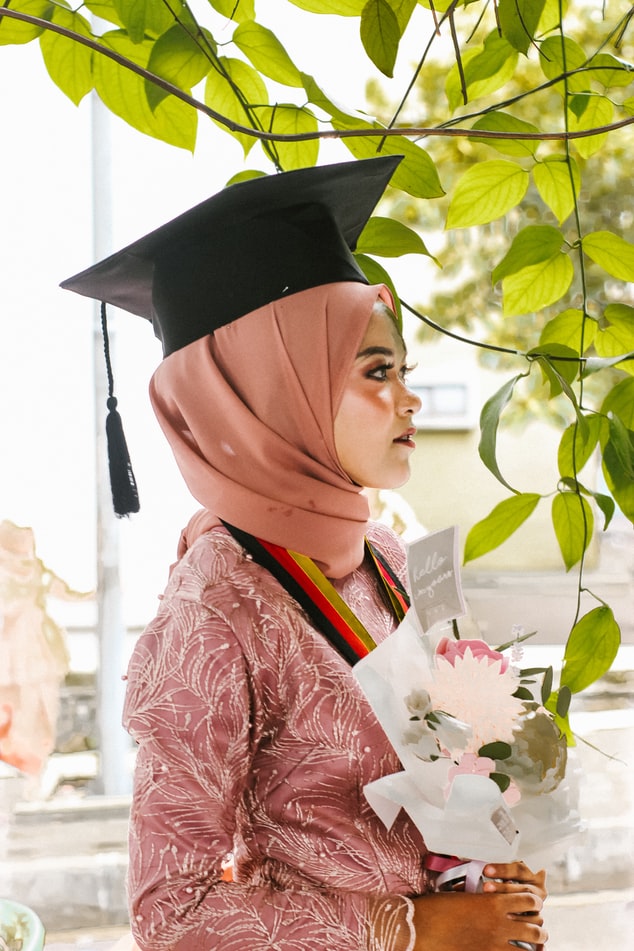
column 248, row 245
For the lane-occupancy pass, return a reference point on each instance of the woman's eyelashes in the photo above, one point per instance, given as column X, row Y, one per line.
column 382, row 371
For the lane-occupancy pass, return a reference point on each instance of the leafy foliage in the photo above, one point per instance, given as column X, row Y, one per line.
column 518, row 139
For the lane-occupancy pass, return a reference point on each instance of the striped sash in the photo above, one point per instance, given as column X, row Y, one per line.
column 301, row 577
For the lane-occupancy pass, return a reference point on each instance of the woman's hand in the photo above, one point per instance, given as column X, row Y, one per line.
column 509, row 909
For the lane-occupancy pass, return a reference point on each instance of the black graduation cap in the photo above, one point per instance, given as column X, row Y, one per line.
column 250, row 244
column 246, row 246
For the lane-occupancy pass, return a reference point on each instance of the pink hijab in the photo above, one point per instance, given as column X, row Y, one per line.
column 249, row 412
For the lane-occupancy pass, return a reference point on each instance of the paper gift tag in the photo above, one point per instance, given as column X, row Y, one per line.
column 433, row 566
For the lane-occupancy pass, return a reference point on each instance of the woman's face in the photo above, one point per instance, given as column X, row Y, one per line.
column 373, row 427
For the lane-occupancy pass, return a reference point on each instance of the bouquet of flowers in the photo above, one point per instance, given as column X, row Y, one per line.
column 484, row 774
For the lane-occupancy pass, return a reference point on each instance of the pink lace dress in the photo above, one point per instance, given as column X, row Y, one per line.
column 254, row 739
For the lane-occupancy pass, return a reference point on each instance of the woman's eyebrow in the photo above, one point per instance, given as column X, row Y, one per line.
column 376, row 351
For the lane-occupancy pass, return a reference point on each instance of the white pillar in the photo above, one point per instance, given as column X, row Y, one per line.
column 113, row 776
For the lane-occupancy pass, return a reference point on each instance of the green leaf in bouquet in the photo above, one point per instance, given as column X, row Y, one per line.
column 547, row 684
column 591, row 648
column 573, row 522
column 485, row 192
column 495, row 750
column 611, row 252
column 564, row 696
column 522, row 693
column 504, row 519
column 501, row 780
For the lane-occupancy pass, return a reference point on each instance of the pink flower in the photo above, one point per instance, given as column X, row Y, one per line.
column 451, row 649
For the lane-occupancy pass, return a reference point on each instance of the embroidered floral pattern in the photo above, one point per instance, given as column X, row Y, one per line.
column 254, row 738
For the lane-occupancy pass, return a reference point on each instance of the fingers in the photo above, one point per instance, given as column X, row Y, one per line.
column 517, row 872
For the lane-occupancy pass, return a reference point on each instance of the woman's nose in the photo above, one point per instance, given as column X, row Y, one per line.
column 411, row 403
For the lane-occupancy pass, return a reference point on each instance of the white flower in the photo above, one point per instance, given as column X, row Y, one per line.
column 479, row 693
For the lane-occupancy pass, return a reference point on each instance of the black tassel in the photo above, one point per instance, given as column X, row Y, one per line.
column 125, row 496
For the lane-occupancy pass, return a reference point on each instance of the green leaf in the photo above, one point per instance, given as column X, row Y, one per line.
column 237, row 10
column 620, row 484
column 343, row 8
column 499, row 525
column 621, row 439
column 390, row 238
column 180, row 59
column 519, row 20
column 590, row 650
column 559, row 372
column 611, row 71
column 547, row 684
column 318, row 97
column 577, row 445
column 559, row 54
column 376, row 274
column 568, row 328
column 144, row 17
column 598, row 112
column 554, row 179
column 124, row 94
column 531, row 245
column 266, row 53
column 489, row 422
column 105, row 10
column 496, row 750
column 503, row 122
column 288, row 119
column 16, row 31
column 69, row 64
column 245, row 176
column 486, row 191
column 537, row 286
column 604, row 502
column 403, row 10
column 486, row 69
column 617, row 336
column 573, row 523
column 221, row 94
column 380, row 35
column 612, row 253
column 564, row 697
column 620, row 401
column 416, row 174
column 501, row 780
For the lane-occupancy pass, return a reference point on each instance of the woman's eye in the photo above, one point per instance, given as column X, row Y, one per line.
column 380, row 372
column 406, row 370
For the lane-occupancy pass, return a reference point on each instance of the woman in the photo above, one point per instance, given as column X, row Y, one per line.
column 254, row 738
